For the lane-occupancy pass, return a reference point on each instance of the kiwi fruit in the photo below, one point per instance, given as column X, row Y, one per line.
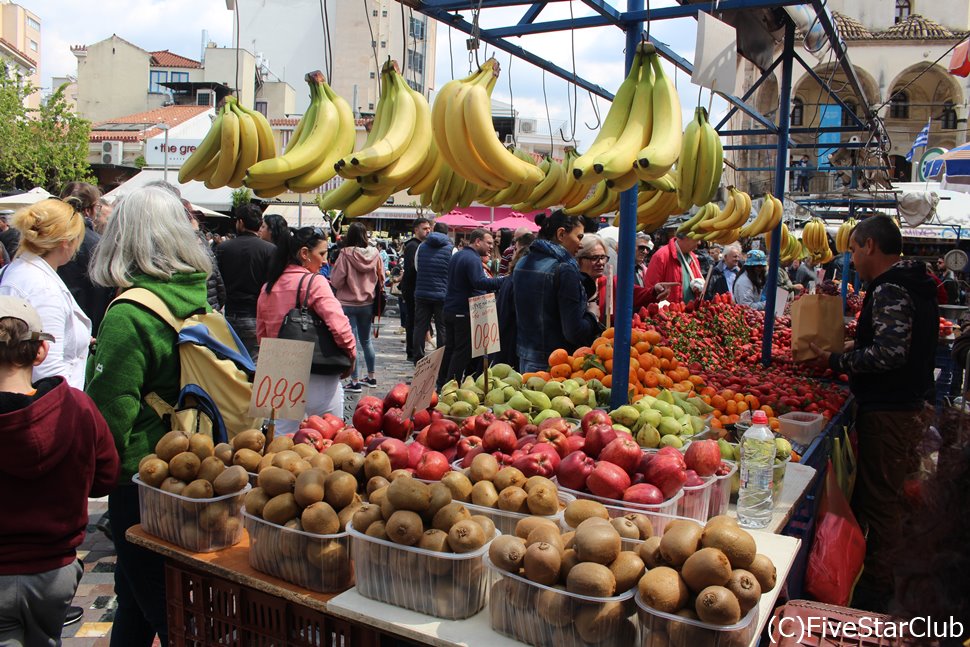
column 375, row 483
column 286, row 459
column 409, row 494
column 488, row 526
column 642, row 522
column 377, row 529
column 387, row 508
column 353, row 465
column 717, row 606
column 173, row 485
column 513, row 499
column 276, row 480
column 449, row 515
column 266, row 461
column 536, row 481
column 721, row 518
column 278, row 444
column 171, row 445
column 526, row 525
column 507, row 553
column 745, row 587
column 542, row 562
column 707, row 567
column 555, row 608
column 247, row 458
column 579, row 510
column 734, row 541
column 627, row 568
column 250, row 439
column 484, row 467
column 224, row 451
column 339, row 489
column 599, row 543
column 146, row 458
column 308, row 487
column 569, row 560
column 508, row 477
column 404, row 527
column 305, row 451
column 198, row 489
column 280, row 509
column 377, row 463
column 365, row 516
column 292, row 544
column 321, row 462
column 626, row 528
column 662, row 588
column 591, row 579
column 680, row 540
column 542, row 499
column 378, row 496
column 153, row 472
column 440, row 497
column 300, row 466
column 484, row 493
column 596, row 622
column 201, row 445
column 764, row 570
column 348, row 512
column 339, row 451
column 466, row 536
column 230, row 480
column 210, row 468
column 649, row 552
column 320, row 519
column 434, row 540
column 544, row 534
column 568, row 538
column 255, row 501
column 459, row 484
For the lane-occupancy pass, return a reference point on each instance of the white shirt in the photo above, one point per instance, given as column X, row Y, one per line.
column 32, row 279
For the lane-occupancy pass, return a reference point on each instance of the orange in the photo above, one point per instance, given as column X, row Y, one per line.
column 593, row 374
column 634, row 363
column 753, row 402
column 583, row 351
column 666, row 382
column 526, row 376
column 609, row 332
column 609, row 365
column 642, row 347
column 668, row 352
column 544, row 375
column 717, row 401
column 727, row 394
column 732, row 407
column 576, row 363
column 725, row 420
column 558, row 356
column 696, row 380
column 708, row 391
column 651, row 336
column 605, row 351
column 651, row 379
column 576, row 374
column 768, row 411
column 716, row 424
column 561, row 370
column 607, row 381
column 742, row 406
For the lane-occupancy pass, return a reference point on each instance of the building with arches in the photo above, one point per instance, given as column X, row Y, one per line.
column 899, row 49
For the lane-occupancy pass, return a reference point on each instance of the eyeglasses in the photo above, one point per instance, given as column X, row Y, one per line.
column 307, row 231
column 643, row 248
column 596, row 259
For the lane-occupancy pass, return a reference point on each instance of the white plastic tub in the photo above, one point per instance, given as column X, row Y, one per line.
column 659, row 514
column 721, row 492
column 696, row 500
column 801, row 427
column 658, row 628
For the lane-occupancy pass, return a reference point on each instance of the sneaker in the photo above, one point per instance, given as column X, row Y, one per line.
column 352, row 387
column 73, row 615
column 370, row 381
column 104, row 525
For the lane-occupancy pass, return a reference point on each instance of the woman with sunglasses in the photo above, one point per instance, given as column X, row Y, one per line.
column 50, row 233
column 299, row 256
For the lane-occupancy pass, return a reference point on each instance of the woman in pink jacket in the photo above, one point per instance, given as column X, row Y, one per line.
column 300, row 254
column 354, row 278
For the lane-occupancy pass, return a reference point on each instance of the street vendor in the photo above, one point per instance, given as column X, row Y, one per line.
column 676, row 262
column 890, row 367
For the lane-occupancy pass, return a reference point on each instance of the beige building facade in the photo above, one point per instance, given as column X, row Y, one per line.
column 20, row 44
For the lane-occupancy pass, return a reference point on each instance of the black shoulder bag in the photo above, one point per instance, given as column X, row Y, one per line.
column 302, row 323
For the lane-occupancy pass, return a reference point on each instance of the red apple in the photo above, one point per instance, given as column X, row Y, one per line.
column 468, row 426
column 574, row 443
column 598, row 437
column 422, row 436
column 371, row 401
column 395, row 425
column 443, row 434
column 703, row 456
column 499, row 437
column 535, row 464
column 559, row 424
column 415, row 452
column 517, row 419
column 482, row 421
column 396, row 451
column 550, row 450
column 451, row 453
column 556, row 438
column 466, row 460
column 595, row 417
column 574, row 470
column 624, row 452
column 397, row 396
column 644, row 494
column 368, row 418
column 503, row 459
column 422, row 418
column 693, row 480
column 673, row 452
column 667, row 473
column 467, row 444
column 373, row 442
column 526, row 440
column 527, row 430
column 608, row 480
column 350, row 436
column 335, row 424
column 309, row 436
column 432, row 466
column 320, row 425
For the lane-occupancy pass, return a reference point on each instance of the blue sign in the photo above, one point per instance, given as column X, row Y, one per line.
column 829, row 115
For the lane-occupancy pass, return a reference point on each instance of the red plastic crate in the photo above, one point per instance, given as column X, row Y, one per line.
column 815, row 624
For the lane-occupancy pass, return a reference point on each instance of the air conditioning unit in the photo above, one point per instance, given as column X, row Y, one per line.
column 527, row 126
column 112, row 152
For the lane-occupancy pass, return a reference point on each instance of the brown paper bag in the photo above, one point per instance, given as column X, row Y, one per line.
column 816, row 319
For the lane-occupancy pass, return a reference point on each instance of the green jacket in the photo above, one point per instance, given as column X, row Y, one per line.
column 136, row 355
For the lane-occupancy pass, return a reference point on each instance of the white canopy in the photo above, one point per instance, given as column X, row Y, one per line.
column 21, row 200
column 194, row 192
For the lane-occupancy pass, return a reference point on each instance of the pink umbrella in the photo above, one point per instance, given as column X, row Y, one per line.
column 459, row 220
column 513, row 222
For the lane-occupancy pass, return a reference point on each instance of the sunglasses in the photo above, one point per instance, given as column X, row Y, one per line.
column 643, row 248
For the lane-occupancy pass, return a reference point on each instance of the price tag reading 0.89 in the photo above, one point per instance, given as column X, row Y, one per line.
column 278, row 393
column 485, row 335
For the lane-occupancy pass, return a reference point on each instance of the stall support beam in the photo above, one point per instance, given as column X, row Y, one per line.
column 623, row 322
column 781, row 163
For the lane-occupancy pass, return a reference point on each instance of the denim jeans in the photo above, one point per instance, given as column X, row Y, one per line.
column 360, row 321
column 245, row 327
column 424, row 311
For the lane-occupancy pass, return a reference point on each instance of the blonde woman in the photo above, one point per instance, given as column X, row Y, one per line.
column 50, row 233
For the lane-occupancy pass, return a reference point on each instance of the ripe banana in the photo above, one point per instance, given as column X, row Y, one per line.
column 842, row 237
column 228, row 150
column 814, row 237
column 594, row 200
column 248, row 146
column 343, row 144
column 687, row 164
column 619, row 159
column 657, row 158
column 668, row 182
column 710, row 163
column 204, row 153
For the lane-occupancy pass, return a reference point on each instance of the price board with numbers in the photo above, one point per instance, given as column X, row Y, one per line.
column 282, row 373
column 484, row 325
column 423, row 382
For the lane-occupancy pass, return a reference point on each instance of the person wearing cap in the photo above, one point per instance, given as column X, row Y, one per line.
column 644, row 247
column 56, row 450
column 244, row 264
column 675, row 262
column 749, row 286
column 50, row 233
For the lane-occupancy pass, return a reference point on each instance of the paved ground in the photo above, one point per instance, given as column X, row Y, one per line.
column 95, row 594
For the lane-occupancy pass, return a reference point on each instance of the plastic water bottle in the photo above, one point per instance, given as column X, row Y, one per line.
column 757, row 469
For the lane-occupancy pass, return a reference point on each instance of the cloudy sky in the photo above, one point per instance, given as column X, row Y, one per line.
column 177, row 25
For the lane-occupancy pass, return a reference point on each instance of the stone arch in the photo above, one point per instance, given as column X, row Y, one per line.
column 928, row 89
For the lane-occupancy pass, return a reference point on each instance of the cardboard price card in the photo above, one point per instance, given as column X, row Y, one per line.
column 423, row 382
column 282, row 373
column 484, row 325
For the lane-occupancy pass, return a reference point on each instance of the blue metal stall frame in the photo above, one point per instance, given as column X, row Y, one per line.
column 631, row 22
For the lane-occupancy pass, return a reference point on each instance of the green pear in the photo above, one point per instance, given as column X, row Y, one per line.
column 669, row 426
column 727, row 452
column 650, row 417
column 648, row 437
column 493, row 397
column 603, row 396
column 513, row 379
column 591, row 400
column 449, row 387
column 625, row 415
column 480, row 409
column 702, row 407
column 622, row 428
column 554, row 389
column 564, row 406
column 736, row 449
column 535, row 383
column 545, row 414
column 538, row 399
column 443, row 407
column 519, row 402
column 670, row 440
column 676, row 411
column 698, row 424
column 782, row 449
column 469, row 396
column 501, row 371
column 689, row 408
column 461, row 409
column 580, row 381
column 665, row 409
column 666, row 396
column 499, row 409
column 579, row 395
column 596, row 385
column 449, row 398
column 582, row 410
column 509, row 391
column 469, row 383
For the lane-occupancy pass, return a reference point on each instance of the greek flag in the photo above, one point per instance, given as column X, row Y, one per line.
column 922, row 139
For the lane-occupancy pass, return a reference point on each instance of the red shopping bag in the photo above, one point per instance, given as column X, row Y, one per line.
column 839, row 549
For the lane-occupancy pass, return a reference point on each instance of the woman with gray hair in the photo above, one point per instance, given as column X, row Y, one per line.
column 147, row 243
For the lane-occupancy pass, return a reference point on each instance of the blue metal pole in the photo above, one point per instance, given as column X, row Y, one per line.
column 623, row 321
column 781, row 163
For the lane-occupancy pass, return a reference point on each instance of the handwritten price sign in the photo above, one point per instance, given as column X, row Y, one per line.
column 484, row 323
column 282, row 373
column 423, row 382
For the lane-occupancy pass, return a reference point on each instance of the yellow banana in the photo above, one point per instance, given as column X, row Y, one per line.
column 481, row 134
column 707, row 176
column 592, row 201
column 441, row 111
column 619, row 159
column 342, row 144
column 468, row 161
column 401, row 124
column 624, row 182
column 431, row 172
column 763, row 220
column 658, row 156
column 228, row 150
column 248, row 146
column 264, row 133
column 340, row 197
column 206, row 173
column 668, row 182
column 687, row 164
column 727, row 216
column 364, row 204
column 271, row 192
column 204, row 153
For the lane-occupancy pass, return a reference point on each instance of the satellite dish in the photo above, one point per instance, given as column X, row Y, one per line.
column 955, row 260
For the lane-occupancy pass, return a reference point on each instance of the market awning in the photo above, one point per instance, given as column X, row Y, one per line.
column 20, row 200
column 195, row 192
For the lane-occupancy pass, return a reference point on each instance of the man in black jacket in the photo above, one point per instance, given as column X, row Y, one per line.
column 244, row 263
column 421, row 228
column 890, row 369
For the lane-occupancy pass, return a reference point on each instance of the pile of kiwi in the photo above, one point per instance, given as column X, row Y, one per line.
column 588, row 562
column 711, row 573
column 434, row 579
column 187, row 465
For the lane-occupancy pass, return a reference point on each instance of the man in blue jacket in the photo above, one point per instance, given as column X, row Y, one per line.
column 431, row 263
column 466, row 278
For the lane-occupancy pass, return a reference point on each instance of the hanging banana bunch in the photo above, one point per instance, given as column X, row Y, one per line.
column 656, row 159
column 238, row 138
column 551, row 190
column 842, row 237
column 814, row 237
column 654, row 207
column 602, row 200
column 768, row 218
column 701, row 162
column 324, row 134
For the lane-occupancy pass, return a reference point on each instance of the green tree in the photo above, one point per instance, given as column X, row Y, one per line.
column 45, row 147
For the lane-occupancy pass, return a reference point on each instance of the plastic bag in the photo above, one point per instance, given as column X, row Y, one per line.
column 839, row 549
